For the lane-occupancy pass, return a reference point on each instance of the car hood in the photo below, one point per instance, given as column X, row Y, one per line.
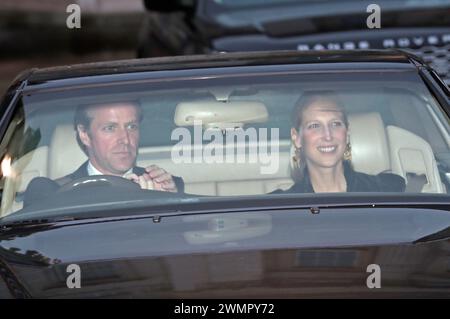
column 287, row 253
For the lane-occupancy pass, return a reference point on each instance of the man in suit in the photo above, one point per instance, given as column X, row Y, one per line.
column 108, row 133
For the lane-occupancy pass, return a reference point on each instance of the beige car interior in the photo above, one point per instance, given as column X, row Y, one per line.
column 375, row 148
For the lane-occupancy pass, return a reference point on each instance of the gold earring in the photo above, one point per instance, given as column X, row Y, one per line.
column 296, row 157
column 348, row 152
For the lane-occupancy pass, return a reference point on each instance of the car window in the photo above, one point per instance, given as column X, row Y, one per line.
column 219, row 136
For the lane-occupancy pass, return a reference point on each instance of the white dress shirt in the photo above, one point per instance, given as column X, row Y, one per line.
column 93, row 171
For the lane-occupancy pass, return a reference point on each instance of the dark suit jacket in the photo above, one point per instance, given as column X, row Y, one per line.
column 41, row 187
column 83, row 172
column 356, row 182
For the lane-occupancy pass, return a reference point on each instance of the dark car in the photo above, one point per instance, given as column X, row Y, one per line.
column 240, row 223
column 180, row 27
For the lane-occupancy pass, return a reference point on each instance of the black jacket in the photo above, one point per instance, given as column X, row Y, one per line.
column 356, row 182
column 41, row 187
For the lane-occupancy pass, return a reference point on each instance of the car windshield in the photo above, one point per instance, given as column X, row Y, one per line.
column 215, row 133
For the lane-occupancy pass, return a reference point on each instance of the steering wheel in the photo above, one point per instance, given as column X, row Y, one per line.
column 95, row 181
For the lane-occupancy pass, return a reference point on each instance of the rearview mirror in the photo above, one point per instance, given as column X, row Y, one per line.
column 220, row 115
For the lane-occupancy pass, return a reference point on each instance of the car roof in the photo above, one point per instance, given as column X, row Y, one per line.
column 216, row 60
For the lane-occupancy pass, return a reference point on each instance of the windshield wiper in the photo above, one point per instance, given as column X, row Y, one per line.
column 33, row 222
column 156, row 209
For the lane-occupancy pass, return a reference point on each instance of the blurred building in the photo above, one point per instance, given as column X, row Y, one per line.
column 34, row 33
column 91, row 6
column 30, row 27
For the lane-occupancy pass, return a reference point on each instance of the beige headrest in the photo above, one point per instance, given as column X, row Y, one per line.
column 65, row 155
column 370, row 150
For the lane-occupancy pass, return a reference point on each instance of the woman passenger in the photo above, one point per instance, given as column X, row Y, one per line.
column 323, row 153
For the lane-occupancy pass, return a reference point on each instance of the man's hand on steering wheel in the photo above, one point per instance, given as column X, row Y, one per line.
column 154, row 178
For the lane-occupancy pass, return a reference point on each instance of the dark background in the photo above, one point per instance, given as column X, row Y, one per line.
column 34, row 34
